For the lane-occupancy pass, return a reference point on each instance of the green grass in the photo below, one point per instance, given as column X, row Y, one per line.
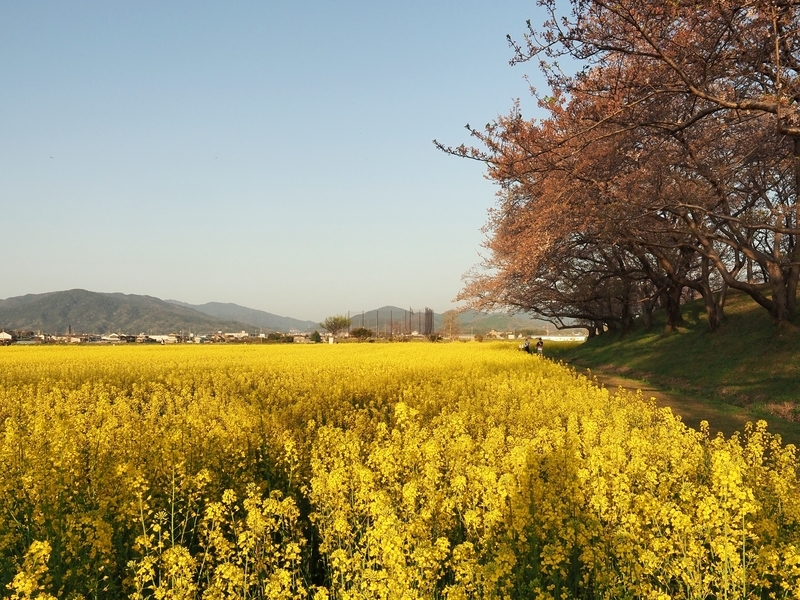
column 747, row 363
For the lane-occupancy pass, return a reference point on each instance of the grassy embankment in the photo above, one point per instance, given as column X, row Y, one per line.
column 747, row 370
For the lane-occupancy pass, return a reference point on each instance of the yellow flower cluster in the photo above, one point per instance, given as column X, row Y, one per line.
column 448, row 471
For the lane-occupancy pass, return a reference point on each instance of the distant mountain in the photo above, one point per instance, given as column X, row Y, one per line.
column 381, row 319
column 404, row 319
column 255, row 318
column 482, row 323
column 94, row 312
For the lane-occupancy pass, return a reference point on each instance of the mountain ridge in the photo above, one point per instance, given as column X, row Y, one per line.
column 83, row 311
column 251, row 316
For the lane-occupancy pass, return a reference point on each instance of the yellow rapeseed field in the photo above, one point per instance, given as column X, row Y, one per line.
column 373, row 471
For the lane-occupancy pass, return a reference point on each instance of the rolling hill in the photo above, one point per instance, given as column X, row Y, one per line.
column 482, row 323
column 256, row 318
column 82, row 311
column 93, row 312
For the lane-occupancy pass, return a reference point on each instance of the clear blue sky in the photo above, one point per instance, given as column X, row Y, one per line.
column 273, row 154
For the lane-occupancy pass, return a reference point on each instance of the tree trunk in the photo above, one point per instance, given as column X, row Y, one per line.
column 722, row 298
column 713, row 313
column 780, row 309
column 785, row 309
column 713, row 309
column 671, row 299
column 647, row 314
column 791, row 289
column 627, row 316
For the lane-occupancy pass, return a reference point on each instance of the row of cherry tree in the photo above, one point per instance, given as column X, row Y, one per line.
column 668, row 165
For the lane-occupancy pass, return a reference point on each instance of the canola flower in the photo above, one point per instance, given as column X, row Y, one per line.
column 389, row 471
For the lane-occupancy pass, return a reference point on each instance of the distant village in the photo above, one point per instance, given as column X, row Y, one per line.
column 8, row 337
column 31, row 337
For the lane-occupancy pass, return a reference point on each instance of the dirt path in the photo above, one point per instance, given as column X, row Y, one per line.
column 721, row 417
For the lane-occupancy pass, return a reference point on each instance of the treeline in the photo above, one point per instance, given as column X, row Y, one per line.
column 667, row 166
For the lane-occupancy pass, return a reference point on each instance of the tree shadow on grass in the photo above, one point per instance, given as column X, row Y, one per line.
column 722, row 417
